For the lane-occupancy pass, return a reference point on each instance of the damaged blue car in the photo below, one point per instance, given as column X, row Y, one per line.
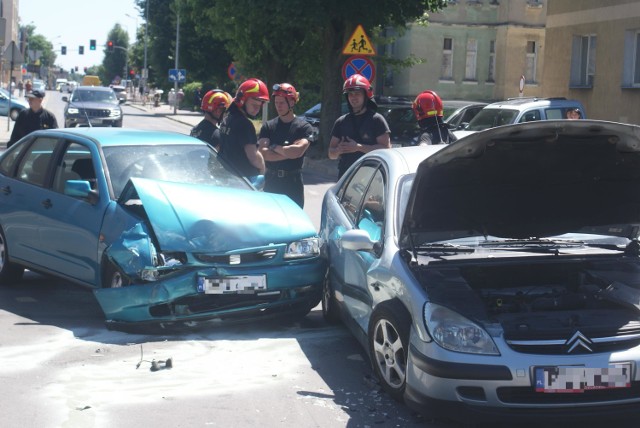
column 161, row 228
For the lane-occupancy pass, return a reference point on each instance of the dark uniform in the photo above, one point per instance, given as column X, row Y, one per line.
column 285, row 176
column 29, row 121
column 434, row 132
column 237, row 131
column 363, row 128
column 207, row 132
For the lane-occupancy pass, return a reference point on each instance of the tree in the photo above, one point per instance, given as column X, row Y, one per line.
column 301, row 40
column 36, row 45
column 115, row 61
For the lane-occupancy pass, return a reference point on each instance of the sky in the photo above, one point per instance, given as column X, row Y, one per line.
column 72, row 23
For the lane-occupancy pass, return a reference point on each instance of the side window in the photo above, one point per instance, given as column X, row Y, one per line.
column 34, row 165
column 554, row 113
column 530, row 116
column 75, row 164
column 354, row 192
column 371, row 217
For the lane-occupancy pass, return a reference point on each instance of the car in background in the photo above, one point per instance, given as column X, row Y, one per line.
column 39, row 85
column 458, row 113
column 496, row 279
column 60, row 83
column 121, row 92
column 92, row 106
column 519, row 110
column 10, row 105
column 135, row 215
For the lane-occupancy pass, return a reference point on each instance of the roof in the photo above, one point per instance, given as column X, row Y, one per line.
column 124, row 136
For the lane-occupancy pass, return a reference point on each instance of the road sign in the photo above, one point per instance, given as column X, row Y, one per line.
column 359, row 65
column 12, row 53
column 177, row 75
column 359, row 43
column 232, row 72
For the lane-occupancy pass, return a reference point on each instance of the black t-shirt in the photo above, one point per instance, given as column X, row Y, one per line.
column 283, row 134
column 29, row 121
column 236, row 132
column 364, row 128
column 207, row 132
column 436, row 134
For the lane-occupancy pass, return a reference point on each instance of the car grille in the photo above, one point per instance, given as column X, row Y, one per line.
column 95, row 112
column 527, row 395
column 237, row 259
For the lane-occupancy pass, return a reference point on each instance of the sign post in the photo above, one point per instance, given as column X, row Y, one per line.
column 521, row 85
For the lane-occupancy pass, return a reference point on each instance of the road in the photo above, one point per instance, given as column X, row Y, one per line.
column 60, row 366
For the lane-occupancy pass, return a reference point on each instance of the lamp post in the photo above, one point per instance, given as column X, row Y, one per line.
column 145, row 72
column 127, row 75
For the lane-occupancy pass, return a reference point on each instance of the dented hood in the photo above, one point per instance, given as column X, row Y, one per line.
column 188, row 217
column 530, row 180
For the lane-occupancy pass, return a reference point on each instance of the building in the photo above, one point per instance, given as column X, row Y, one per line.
column 595, row 56
column 8, row 33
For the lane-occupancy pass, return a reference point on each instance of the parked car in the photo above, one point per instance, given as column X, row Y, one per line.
column 69, row 87
column 458, row 113
column 39, row 85
column 160, row 227
column 519, row 110
column 121, row 92
column 497, row 277
column 92, row 106
column 10, row 105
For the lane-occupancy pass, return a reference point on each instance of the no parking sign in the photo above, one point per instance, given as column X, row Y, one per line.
column 358, row 64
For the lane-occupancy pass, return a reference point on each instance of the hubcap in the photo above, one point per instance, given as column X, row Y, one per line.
column 389, row 353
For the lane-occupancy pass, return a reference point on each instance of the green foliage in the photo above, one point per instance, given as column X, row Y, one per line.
column 114, row 63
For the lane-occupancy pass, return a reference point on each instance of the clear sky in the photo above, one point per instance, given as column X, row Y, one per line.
column 72, row 23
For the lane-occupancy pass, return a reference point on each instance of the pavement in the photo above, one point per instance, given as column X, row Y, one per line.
column 315, row 160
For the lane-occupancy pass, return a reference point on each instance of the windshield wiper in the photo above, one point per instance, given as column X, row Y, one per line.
column 443, row 247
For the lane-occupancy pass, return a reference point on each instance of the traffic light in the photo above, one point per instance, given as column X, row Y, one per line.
column 110, row 46
column 132, row 72
column 63, row 50
column 92, row 44
column 81, row 50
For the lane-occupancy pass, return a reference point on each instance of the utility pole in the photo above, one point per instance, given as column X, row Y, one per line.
column 145, row 71
column 175, row 84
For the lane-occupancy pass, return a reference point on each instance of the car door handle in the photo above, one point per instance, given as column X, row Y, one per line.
column 47, row 203
column 6, row 190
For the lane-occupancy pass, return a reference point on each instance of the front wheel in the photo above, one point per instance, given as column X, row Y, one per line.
column 330, row 310
column 113, row 277
column 9, row 272
column 389, row 346
column 13, row 114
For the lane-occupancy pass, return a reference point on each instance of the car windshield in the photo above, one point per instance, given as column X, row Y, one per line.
column 94, row 96
column 492, row 117
column 195, row 164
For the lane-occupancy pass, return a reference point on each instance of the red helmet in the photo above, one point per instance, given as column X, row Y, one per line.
column 251, row 88
column 357, row 81
column 215, row 99
column 427, row 104
column 285, row 90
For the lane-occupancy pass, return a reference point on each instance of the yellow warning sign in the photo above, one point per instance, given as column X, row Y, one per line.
column 359, row 43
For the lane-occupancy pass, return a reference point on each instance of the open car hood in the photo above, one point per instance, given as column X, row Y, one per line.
column 202, row 218
column 530, row 180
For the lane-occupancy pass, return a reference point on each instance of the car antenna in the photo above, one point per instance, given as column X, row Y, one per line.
column 84, row 110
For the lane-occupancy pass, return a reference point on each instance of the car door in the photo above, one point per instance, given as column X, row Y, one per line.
column 4, row 105
column 363, row 202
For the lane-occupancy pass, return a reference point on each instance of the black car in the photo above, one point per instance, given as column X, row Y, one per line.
column 458, row 113
column 93, row 106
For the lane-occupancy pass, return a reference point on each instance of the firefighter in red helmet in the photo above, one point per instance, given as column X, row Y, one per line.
column 283, row 142
column 214, row 103
column 239, row 141
column 428, row 110
column 361, row 130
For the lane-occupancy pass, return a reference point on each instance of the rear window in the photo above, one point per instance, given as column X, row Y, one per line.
column 492, row 117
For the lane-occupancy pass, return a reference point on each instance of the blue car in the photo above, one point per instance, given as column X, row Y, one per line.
column 11, row 106
column 161, row 228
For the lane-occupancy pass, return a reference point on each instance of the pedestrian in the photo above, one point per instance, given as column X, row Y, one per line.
column 573, row 114
column 239, row 139
column 428, row 110
column 360, row 131
column 283, row 142
column 20, row 88
column 197, row 97
column 32, row 119
column 28, row 86
column 179, row 97
column 214, row 104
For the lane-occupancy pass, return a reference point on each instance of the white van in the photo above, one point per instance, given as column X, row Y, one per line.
column 60, row 83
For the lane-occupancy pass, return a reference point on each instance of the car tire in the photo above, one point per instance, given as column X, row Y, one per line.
column 9, row 272
column 113, row 277
column 389, row 346
column 330, row 309
column 13, row 114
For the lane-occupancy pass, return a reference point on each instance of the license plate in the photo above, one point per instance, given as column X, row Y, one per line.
column 573, row 379
column 246, row 284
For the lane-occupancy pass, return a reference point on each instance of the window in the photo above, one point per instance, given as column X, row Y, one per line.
column 472, row 58
column 631, row 64
column 446, row 71
column 76, row 164
column 492, row 61
column 371, row 218
column 355, row 190
column 583, row 61
column 34, row 165
column 531, row 60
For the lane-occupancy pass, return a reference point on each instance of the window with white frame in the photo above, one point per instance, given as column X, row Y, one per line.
column 446, row 70
column 472, row 59
column 631, row 60
column 492, row 61
column 531, row 62
column 583, row 61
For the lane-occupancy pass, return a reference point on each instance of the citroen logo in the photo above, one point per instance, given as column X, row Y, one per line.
column 578, row 340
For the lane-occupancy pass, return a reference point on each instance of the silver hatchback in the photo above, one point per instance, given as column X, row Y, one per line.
column 498, row 276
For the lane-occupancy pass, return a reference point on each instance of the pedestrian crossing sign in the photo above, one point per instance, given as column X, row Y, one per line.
column 359, row 43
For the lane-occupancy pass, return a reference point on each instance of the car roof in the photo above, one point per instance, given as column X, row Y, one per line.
column 113, row 137
column 526, row 102
column 94, row 88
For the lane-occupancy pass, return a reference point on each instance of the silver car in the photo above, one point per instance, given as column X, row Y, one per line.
column 498, row 276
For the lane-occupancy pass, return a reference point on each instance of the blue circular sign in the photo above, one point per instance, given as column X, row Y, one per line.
column 359, row 65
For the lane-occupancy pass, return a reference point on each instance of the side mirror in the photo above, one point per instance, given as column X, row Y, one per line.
column 80, row 189
column 356, row 240
column 65, row 99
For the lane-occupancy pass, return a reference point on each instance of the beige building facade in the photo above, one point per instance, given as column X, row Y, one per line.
column 595, row 56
